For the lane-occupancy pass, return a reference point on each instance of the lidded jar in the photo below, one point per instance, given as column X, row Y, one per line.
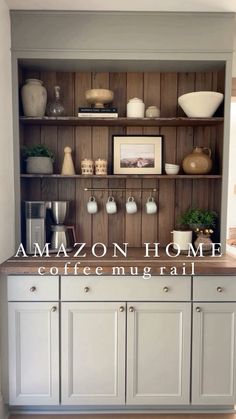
column 153, row 112
column 135, row 108
column 56, row 108
column 34, row 98
column 198, row 162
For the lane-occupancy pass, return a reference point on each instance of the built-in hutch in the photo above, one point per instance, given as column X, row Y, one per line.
column 123, row 343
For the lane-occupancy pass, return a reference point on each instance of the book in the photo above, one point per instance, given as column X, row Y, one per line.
column 97, row 115
column 97, row 110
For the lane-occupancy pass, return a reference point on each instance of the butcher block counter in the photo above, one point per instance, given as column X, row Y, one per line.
column 87, row 264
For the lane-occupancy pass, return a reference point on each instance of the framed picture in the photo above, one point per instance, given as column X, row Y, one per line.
column 137, row 154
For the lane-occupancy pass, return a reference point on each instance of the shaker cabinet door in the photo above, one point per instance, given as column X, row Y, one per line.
column 33, row 353
column 158, row 351
column 213, row 363
column 93, row 353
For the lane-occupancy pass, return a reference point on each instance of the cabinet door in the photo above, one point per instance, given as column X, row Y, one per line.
column 33, row 353
column 93, row 353
column 158, row 345
column 214, row 334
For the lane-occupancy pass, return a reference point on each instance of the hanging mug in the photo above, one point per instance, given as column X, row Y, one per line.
column 92, row 206
column 151, row 206
column 111, row 207
column 131, row 206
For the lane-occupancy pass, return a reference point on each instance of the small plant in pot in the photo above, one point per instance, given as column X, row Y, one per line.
column 202, row 223
column 39, row 159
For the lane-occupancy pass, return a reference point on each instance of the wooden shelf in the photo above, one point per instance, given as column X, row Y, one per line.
column 57, row 176
column 114, row 122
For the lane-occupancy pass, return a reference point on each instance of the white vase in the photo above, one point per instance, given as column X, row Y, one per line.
column 34, row 98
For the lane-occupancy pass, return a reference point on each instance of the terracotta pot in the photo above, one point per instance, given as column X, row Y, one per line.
column 34, row 98
column 198, row 162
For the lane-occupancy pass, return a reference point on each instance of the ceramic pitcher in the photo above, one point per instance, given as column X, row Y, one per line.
column 198, row 162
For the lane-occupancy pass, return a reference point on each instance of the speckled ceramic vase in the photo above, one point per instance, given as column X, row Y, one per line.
column 198, row 162
column 34, row 98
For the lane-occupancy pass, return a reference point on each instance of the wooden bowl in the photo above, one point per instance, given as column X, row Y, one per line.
column 99, row 97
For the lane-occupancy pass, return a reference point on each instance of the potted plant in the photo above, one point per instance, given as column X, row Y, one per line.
column 197, row 219
column 39, row 159
column 201, row 222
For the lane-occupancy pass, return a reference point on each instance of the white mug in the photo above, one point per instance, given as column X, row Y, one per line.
column 151, row 206
column 111, row 207
column 92, row 206
column 131, row 206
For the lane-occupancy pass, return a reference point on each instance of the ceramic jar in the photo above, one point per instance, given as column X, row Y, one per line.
column 135, row 108
column 100, row 167
column 34, row 98
column 87, row 167
column 153, row 112
column 198, row 162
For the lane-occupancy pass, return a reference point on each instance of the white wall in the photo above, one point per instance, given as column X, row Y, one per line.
column 7, row 217
column 231, row 221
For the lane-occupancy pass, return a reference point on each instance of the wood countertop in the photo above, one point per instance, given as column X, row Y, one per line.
column 162, row 265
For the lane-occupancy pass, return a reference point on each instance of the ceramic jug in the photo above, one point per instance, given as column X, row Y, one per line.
column 34, row 98
column 198, row 162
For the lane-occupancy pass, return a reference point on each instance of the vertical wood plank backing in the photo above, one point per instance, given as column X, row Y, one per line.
column 203, row 81
column 174, row 197
column 66, row 192
column 82, row 83
column 83, row 219
column 134, row 85
column 166, row 210
column 152, row 89
column 66, row 82
column 83, row 146
column 150, row 234
column 168, row 94
column 168, row 145
column 118, row 83
column 186, row 84
column 65, row 139
column 116, row 222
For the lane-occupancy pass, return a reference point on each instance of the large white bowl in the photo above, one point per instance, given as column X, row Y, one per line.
column 200, row 104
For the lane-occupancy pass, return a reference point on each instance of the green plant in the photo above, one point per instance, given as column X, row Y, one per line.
column 197, row 217
column 39, row 150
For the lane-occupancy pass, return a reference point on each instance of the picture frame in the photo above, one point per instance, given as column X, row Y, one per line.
column 137, row 154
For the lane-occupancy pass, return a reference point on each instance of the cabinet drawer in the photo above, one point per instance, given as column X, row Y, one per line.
column 214, row 288
column 125, row 289
column 33, row 288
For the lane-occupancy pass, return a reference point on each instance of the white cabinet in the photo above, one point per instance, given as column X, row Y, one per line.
column 158, row 353
column 33, row 353
column 93, row 353
column 214, row 350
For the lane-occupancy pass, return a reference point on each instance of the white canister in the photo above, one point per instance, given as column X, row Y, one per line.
column 34, row 98
column 135, row 108
column 153, row 112
column 182, row 239
column 101, row 167
column 87, row 167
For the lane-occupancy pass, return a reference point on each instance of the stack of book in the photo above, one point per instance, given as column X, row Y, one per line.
column 98, row 113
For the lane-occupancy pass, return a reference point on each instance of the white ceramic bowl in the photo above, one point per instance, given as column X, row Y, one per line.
column 171, row 169
column 99, row 97
column 200, row 104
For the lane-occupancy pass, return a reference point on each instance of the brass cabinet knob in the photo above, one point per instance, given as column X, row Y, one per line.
column 54, row 308
column 131, row 309
column 219, row 289
column 198, row 309
column 165, row 289
column 121, row 309
column 86, row 289
column 32, row 289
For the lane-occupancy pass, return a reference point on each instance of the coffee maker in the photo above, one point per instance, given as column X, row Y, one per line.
column 45, row 223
